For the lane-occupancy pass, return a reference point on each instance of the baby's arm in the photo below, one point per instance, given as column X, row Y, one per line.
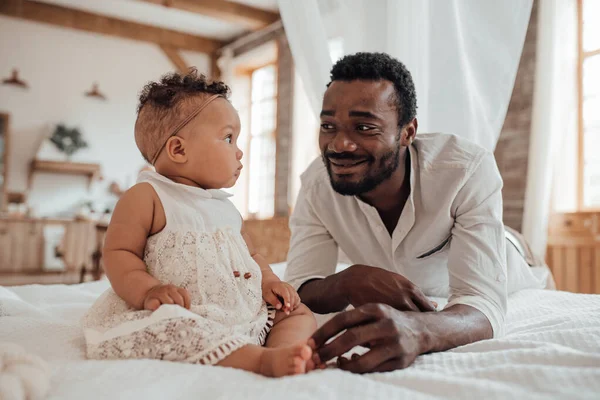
column 273, row 288
column 138, row 214
column 267, row 272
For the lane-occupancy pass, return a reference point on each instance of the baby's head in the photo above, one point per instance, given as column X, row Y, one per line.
column 188, row 129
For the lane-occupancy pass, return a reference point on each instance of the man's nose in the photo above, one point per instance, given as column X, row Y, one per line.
column 342, row 143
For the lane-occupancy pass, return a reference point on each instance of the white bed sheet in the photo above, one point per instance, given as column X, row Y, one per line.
column 551, row 350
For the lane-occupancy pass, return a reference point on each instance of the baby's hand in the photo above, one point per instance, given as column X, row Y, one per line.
column 281, row 295
column 166, row 294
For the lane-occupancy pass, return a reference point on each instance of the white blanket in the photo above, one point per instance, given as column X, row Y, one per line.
column 551, row 350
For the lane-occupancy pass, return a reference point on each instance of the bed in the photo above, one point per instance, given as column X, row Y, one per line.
column 551, row 350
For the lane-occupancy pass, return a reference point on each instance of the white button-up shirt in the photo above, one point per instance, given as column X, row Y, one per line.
column 449, row 240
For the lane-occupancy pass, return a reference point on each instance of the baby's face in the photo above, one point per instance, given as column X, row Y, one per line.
column 214, row 158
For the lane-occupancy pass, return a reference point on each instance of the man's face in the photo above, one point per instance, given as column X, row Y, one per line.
column 359, row 136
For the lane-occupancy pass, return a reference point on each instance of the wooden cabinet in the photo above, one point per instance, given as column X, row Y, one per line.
column 5, row 247
column 22, row 248
column 573, row 253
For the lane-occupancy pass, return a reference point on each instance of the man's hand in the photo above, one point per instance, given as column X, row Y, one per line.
column 365, row 284
column 280, row 295
column 166, row 294
column 395, row 338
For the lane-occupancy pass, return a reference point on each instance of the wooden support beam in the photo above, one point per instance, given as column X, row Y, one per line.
column 215, row 71
column 255, row 39
column 250, row 17
column 89, row 22
column 175, row 58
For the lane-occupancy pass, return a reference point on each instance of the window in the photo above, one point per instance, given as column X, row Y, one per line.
column 261, row 146
column 589, row 104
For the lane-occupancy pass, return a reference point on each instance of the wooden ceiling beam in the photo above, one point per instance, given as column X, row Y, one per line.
column 89, row 22
column 250, row 17
column 175, row 58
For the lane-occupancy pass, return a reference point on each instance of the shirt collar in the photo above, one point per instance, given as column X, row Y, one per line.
column 205, row 193
column 407, row 218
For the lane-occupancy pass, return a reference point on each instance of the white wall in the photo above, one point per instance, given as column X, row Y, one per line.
column 60, row 65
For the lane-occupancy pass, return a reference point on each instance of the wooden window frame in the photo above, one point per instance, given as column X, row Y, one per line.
column 582, row 56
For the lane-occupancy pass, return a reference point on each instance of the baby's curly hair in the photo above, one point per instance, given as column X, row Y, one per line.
column 377, row 66
column 164, row 103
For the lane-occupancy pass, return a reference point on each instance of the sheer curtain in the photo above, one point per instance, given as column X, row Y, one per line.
column 463, row 54
column 553, row 123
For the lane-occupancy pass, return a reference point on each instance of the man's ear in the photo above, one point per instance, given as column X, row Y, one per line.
column 176, row 150
column 409, row 132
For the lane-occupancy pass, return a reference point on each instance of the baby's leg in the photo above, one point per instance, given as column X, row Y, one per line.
column 291, row 329
column 286, row 351
column 282, row 361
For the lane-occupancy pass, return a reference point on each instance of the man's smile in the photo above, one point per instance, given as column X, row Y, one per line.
column 346, row 166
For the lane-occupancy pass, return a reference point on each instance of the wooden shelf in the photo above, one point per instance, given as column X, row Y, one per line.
column 90, row 170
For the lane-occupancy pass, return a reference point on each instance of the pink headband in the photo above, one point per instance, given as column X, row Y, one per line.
column 184, row 123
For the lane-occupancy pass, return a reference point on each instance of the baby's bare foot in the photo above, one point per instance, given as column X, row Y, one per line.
column 282, row 361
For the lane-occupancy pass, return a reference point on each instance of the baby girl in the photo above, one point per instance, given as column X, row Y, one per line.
column 187, row 283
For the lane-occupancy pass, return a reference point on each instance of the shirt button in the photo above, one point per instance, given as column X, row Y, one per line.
column 500, row 278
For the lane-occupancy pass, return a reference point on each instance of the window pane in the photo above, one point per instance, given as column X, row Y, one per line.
column 261, row 193
column 591, row 77
column 261, row 171
column 591, row 132
column 263, row 117
column 263, row 83
column 591, row 179
column 591, row 25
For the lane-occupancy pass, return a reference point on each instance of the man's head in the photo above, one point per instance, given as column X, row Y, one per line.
column 187, row 127
column 367, row 119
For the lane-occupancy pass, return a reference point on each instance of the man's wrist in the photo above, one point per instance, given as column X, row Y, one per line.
column 427, row 338
column 342, row 286
column 326, row 295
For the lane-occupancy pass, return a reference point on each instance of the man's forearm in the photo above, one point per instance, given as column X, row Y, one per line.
column 324, row 296
column 457, row 326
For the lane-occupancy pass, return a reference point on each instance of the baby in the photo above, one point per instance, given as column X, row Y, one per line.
column 187, row 283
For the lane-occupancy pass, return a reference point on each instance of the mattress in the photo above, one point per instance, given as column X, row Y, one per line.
column 551, row 350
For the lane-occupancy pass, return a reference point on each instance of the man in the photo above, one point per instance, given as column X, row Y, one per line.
column 416, row 215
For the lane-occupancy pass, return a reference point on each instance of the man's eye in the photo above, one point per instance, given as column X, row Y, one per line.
column 364, row 128
column 326, row 126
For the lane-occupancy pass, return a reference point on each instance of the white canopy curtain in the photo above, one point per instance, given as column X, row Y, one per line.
column 463, row 54
column 553, row 124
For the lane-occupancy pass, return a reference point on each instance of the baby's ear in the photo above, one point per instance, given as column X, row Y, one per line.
column 176, row 149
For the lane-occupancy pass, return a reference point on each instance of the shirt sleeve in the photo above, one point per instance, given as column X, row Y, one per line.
column 477, row 258
column 313, row 252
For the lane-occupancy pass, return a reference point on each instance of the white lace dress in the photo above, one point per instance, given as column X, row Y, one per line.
column 202, row 250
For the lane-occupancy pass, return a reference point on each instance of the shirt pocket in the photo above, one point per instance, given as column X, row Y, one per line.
column 436, row 249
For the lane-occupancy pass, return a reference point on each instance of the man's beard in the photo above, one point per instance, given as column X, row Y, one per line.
column 374, row 176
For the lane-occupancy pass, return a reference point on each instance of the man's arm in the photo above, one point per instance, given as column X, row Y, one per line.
column 395, row 338
column 312, row 258
column 477, row 258
column 324, row 296
column 363, row 284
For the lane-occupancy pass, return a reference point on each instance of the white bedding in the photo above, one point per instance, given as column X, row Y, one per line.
column 551, row 350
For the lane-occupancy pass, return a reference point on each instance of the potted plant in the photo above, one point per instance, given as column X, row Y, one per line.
column 68, row 140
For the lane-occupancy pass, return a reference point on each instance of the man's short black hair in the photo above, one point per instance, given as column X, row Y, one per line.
column 377, row 66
